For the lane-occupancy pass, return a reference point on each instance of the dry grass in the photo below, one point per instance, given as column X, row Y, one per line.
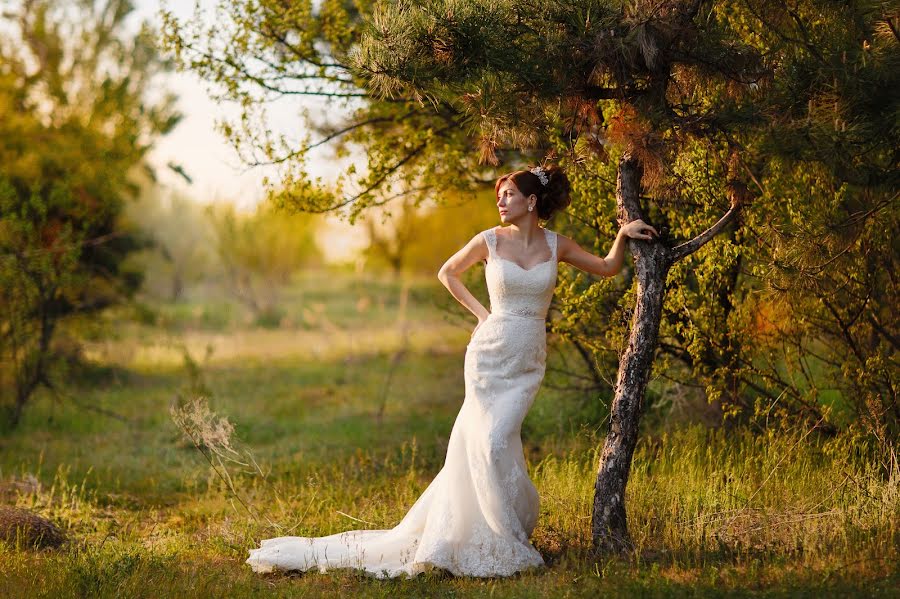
column 711, row 513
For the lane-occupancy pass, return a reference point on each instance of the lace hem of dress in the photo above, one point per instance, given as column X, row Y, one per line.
column 486, row 554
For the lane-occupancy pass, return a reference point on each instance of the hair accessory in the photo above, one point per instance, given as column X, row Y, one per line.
column 541, row 174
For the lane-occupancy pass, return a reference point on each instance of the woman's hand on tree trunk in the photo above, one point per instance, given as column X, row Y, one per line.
column 638, row 229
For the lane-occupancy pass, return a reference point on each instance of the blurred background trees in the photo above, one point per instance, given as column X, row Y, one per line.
column 418, row 237
column 76, row 121
column 259, row 252
column 181, row 252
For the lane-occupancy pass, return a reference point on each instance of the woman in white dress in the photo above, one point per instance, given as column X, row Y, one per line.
column 478, row 513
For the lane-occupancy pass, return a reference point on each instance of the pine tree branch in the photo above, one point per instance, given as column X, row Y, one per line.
column 383, row 177
column 265, row 83
column 326, row 139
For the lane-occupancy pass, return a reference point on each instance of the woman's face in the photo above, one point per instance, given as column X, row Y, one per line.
column 513, row 206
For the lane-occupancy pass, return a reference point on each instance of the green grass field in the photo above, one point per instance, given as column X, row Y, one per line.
column 713, row 512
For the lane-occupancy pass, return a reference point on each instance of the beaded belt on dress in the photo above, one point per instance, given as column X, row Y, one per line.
column 509, row 313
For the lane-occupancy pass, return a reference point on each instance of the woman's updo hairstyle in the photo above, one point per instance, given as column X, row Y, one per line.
column 550, row 198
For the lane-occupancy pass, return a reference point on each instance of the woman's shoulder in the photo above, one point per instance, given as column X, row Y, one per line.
column 490, row 232
column 482, row 238
column 553, row 234
column 559, row 236
column 563, row 245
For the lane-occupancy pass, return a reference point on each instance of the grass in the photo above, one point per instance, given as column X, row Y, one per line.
column 713, row 512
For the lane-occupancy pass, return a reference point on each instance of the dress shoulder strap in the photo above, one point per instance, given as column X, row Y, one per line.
column 490, row 237
column 552, row 241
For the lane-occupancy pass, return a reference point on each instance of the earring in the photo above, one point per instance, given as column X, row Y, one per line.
column 530, row 208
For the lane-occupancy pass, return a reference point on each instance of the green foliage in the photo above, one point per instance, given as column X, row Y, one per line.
column 517, row 71
column 74, row 127
column 807, row 312
column 41, row 282
column 253, row 52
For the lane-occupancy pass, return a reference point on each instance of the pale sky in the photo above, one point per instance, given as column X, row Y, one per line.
column 214, row 166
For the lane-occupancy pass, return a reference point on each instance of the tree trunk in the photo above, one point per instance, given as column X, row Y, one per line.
column 32, row 375
column 177, row 286
column 609, row 528
column 652, row 260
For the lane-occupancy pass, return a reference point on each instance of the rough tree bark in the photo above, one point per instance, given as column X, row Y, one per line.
column 652, row 260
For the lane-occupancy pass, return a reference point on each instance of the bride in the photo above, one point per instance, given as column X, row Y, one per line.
column 476, row 516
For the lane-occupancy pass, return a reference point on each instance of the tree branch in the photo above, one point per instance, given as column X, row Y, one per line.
column 383, row 177
column 326, row 139
column 689, row 247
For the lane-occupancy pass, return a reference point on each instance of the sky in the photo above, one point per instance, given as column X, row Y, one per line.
column 213, row 165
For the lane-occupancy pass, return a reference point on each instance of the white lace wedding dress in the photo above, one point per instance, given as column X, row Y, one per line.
column 476, row 516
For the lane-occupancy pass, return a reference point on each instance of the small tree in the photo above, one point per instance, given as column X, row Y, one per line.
column 182, row 250
column 261, row 251
column 74, row 124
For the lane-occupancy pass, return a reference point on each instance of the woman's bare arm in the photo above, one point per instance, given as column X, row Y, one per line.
column 474, row 251
column 569, row 251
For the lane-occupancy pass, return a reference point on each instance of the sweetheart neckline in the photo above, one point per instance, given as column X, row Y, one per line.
column 547, row 261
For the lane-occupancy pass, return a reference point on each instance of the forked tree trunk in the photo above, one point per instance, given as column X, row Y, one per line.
column 652, row 260
column 609, row 526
